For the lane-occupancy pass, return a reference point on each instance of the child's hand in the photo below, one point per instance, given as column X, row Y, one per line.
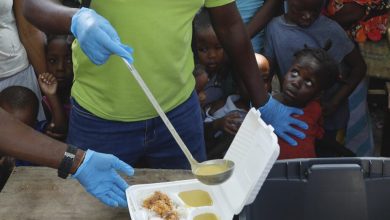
column 230, row 123
column 55, row 133
column 202, row 98
column 48, row 83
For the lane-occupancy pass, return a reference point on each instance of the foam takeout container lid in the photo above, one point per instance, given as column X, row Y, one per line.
column 254, row 150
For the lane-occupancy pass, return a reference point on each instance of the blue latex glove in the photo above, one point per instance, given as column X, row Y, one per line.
column 97, row 38
column 98, row 175
column 279, row 116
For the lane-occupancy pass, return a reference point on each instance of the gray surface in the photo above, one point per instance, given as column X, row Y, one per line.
column 324, row 189
column 37, row 193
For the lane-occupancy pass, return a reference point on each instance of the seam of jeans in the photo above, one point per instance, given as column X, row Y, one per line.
column 82, row 112
column 146, row 134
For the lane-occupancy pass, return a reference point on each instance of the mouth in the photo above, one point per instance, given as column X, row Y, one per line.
column 290, row 94
column 212, row 65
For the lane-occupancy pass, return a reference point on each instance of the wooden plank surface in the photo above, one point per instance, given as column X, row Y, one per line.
column 37, row 193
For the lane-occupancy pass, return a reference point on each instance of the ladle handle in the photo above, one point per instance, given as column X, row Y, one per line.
column 161, row 113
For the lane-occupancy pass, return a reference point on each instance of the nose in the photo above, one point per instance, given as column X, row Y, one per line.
column 296, row 83
column 212, row 53
column 61, row 66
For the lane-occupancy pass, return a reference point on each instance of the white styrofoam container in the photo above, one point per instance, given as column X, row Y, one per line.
column 254, row 150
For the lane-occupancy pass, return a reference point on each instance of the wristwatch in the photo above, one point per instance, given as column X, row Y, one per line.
column 67, row 162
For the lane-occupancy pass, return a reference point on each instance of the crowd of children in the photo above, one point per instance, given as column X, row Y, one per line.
column 316, row 61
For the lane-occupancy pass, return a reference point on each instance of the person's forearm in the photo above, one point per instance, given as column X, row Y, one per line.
column 358, row 70
column 349, row 14
column 32, row 39
column 235, row 40
column 58, row 114
column 22, row 142
column 49, row 15
column 270, row 9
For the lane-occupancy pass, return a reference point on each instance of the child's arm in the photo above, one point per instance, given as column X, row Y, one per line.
column 358, row 70
column 270, row 9
column 58, row 126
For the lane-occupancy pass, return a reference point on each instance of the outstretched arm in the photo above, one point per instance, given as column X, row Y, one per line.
column 96, row 172
column 38, row 12
column 22, row 142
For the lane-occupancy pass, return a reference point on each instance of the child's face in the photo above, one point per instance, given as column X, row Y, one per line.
column 263, row 65
column 303, row 12
column 59, row 61
column 210, row 51
column 300, row 84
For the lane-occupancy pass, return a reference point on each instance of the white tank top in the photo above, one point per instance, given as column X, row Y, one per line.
column 13, row 56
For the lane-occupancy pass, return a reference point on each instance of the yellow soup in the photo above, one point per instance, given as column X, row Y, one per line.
column 211, row 169
column 206, row 216
column 196, row 198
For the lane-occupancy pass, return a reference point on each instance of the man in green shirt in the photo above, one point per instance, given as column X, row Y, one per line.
column 109, row 108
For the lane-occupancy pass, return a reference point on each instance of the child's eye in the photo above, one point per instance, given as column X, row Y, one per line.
column 203, row 50
column 309, row 83
column 294, row 73
column 52, row 60
column 68, row 61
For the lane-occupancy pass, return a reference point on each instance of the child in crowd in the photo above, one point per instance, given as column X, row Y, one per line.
column 209, row 52
column 224, row 117
column 23, row 104
column 59, row 63
column 362, row 20
column 312, row 72
column 201, row 79
column 20, row 102
column 57, row 83
column 302, row 25
column 264, row 68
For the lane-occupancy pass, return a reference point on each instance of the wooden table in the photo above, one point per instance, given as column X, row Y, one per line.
column 37, row 193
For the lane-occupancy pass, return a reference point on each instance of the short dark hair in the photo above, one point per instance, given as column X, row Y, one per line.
column 329, row 68
column 19, row 97
column 67, row 38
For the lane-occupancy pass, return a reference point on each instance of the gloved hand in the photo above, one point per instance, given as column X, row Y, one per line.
column 98, row 175
column 97, row 38
column 279, row 116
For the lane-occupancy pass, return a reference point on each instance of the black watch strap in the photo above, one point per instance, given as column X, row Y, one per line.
column 67, row 162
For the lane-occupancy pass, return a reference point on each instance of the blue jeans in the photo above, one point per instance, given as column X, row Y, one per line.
column 148, row 141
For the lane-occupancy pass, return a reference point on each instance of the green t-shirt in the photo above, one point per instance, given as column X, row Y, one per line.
column 160, row 32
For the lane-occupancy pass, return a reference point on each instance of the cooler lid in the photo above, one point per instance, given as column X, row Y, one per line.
column 254, row 150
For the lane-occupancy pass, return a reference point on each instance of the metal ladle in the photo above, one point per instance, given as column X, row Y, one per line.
column 209, row 172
